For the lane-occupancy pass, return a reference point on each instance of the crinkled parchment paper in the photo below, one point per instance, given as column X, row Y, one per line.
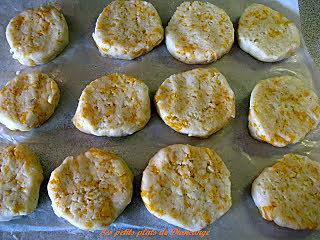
column 80, row 63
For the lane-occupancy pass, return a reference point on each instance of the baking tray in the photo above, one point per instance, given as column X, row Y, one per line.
column 80, row 63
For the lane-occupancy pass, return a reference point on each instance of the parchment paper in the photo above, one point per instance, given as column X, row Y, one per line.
column 80, row 63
